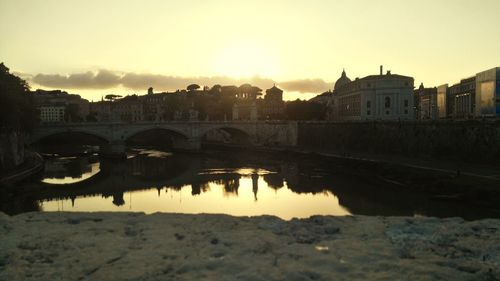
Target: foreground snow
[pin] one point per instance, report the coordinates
(118, 246)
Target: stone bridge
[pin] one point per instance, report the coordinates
(185, 135)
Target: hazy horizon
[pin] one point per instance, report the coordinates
(94, 48)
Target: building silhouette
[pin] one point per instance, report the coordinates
(375, 97)
(426, 103)
(476, 96)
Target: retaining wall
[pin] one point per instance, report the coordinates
(468, 140)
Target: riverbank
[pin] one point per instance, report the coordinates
(133, 246)
(449, 167)
(441, 180)
(32, 165)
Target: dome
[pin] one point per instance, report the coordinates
(343, 80)
(274, 90)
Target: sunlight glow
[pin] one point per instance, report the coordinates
(242, 59)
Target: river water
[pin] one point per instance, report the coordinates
(228, 182)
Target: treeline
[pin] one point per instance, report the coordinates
(305, 110)
(17, 109)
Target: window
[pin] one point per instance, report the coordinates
(387, 112)
(368, 112)
(406, 111)
(368, 104)
(387, 102)
(406, 103)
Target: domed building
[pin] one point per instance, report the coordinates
(342, 81)
(375, 97)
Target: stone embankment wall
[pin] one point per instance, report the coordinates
(11, 150)
(467, 140)
(132, 246)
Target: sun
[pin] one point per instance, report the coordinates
(241, 60)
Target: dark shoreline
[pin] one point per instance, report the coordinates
(33, 165)
(440, 184)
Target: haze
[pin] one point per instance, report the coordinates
(300, 45)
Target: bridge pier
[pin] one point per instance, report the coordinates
(113, 150)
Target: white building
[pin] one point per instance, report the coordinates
(488, 93)
(375, 97)
(52, 113)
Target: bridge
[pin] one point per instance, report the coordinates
(185, 135)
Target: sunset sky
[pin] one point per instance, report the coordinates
(96, 47)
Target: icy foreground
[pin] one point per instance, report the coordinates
(131, 246)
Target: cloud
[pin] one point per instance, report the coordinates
(106, 79)
(103, 79)
(164, 82)
(22, 75)
(306, 86)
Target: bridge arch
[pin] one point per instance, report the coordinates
(226, 134)
(43, 135)
(173, 130)
(154, 134)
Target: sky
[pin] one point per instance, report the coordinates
(98, 47)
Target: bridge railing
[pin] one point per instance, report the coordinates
(66, 124)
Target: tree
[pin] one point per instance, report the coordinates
(111, 97)
(133, 97)
(193, 87)
(215, 90)
(305, 110)
(226, 102)
(229, 91)
(250, 91)
(17, 108)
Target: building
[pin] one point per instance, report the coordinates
(487, 93)
(245, 106)
(167, 105)
(101, 111)
(154, 105)
(375, 97)
(272, 106)
(462, 99)
(76, 109)
(323, 98)
(52, 113)
(128, 109)
(477, 96)
(426, 103)
(445, 102)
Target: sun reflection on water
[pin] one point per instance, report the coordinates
(253, 197)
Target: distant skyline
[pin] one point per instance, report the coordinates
(123, 47)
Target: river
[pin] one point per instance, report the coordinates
(219, 181)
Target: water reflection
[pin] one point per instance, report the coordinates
(157, 181)
(215, 199)
(67, 170)
(154, 181)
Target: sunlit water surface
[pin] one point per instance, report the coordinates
(218, 182)
(239, 191)
(214, 199)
